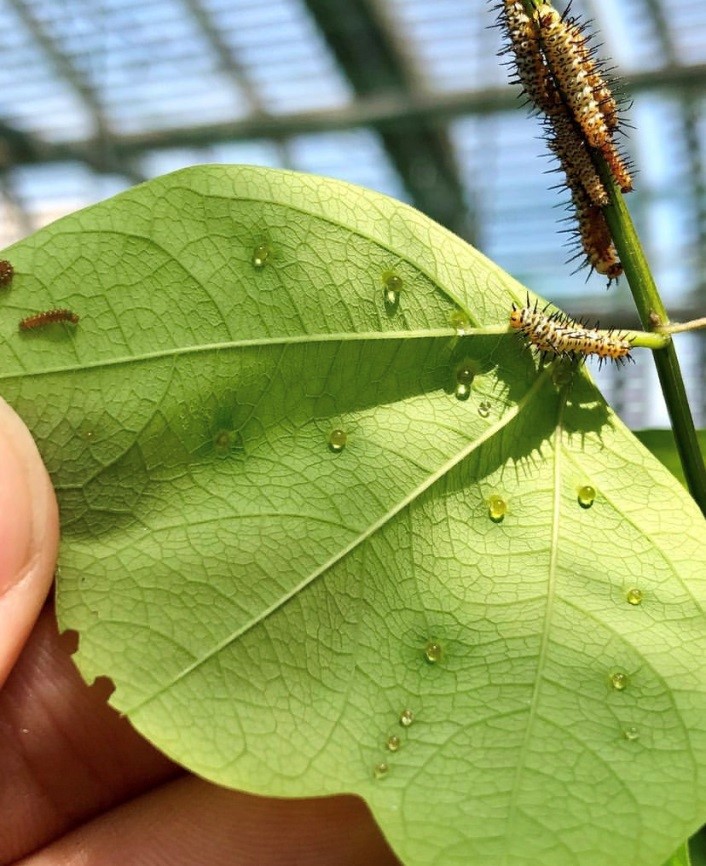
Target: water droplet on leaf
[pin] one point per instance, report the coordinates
(462, 391)
(406, 718)
(260, 255)
(497, 508)
(634, 596)
(393, 284)
(619, 681)
(484, 409)
(586, 496)
(381, 770)
(432, 651)
(631, 733)
(393, 742)
(337, 440)
(465, 374)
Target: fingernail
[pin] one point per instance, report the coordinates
(17, 529)
(28, 535)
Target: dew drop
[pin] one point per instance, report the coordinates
(393, 284)
(634, 596)
(432, 652)
(497, 508)
(484, 409)
(392, 300)
(586, 496)
(381, 770)
(406, 718)
(631, 733)
(393, 743)
(619, 680)
(260, 255)
(462, 391)
(465, 374)
(460, 322)
(337, 440)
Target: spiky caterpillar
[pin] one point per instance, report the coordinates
(556, 334)
(575, 159)
(560, 75)
(583, 87)
(532, 72)
(595, 236)
(575, 72)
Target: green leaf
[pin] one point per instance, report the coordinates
(269, 609)
(681, 857)
(661, 443)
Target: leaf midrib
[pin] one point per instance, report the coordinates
(231, 345)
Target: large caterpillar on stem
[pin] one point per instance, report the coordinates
(561, 76)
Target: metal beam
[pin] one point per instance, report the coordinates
(229, 64)
(101, 154)
(61, 63)
(222, 51)
(657, 11)
(383, 111)
(375, 64)
(379, 111)
(22, 148)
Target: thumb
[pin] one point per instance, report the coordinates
(29, 535)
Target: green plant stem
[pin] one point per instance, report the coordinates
(646, 339)
(652, 311)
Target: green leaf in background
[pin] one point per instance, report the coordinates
(322, 543)
(661, 444)
(697, 848)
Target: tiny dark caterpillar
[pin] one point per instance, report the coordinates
(557, 335)
(38, 320)
(7, 272)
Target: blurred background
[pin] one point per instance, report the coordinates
(406, 97)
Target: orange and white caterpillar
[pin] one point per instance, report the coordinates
(555, 334)
(48, 317)
(532, 72)
(556, 64)
(577, 74)
(595, 237)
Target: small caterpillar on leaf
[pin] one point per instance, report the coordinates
(6, 272)
(38, 320)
